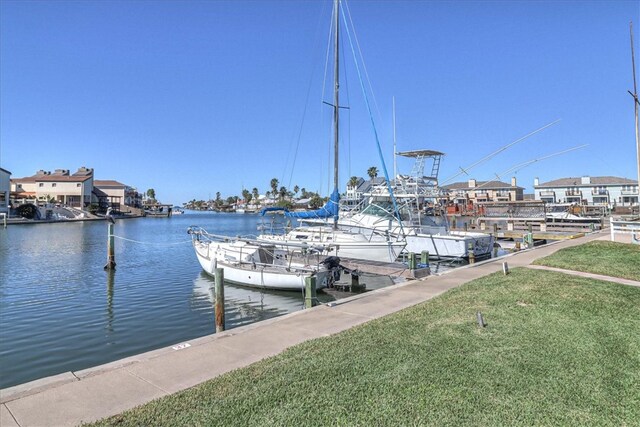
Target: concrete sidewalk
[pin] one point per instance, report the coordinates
(83, 396)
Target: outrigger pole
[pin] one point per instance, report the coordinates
(635, 105)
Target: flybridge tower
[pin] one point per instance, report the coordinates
(428, 184)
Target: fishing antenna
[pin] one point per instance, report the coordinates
(500, 150)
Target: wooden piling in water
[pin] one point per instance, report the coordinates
(111, 256)
(310, 291)
(219, 305)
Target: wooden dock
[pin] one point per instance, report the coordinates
(396, 269)
(538, 235)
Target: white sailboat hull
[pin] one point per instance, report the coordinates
(244, 271)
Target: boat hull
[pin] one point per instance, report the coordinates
(244, 273)
(452, 245)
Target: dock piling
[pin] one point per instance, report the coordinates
(219, 304)
(472, 255)
(412, 261)
(111, 256)
(424, 258)
(310, 291)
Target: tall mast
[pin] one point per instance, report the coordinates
(336, 104)
(635, 104)
(395, 163)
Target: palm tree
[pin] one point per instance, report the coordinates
(256, 195)
(353, 182)
(246, 195)
(372, 172)
(274, 186)
(283, 192)
(296, 189)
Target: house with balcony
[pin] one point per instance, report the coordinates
(5, 190)
(597, 190)
(59, 186)
(473, 191)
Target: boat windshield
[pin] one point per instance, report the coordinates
(385, 210)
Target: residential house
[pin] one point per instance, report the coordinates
(597, 190)
(354, 195)
(473, 191)
(116, 195)
(58, 187)
(5, 190)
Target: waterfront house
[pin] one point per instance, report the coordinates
(114, 194)
(473, 191)
(355, 194)
(5, 190)
(58, 187)
(597, 190)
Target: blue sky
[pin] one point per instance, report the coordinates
(195, 97)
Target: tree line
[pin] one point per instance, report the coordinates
(282, 195)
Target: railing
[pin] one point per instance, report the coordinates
(600, 192)
(573, 193)
(629, 192)
(547, 194)
(625, 227)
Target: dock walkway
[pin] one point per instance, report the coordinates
(75, 397)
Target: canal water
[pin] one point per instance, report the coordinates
(60, 311)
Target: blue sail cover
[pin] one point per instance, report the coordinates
(330, 209)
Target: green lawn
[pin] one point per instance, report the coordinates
(558, 350)
(599, 257)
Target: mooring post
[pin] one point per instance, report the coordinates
(111, 256)
(412, 261)
(219, 305)
(472, 255)
(466, 226)
(495, 228)
(310, 291)
(505, 268)
(453, 222)
(517, 246)
(424, 258)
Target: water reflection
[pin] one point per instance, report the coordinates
(245, 305)
(111, 275)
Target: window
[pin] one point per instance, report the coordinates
(78, 185)
(53, 184)
(41, 185)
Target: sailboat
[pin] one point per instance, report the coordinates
(252, 263)
(337, 242)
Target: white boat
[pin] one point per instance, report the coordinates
(250, 263)
(339, 242)
(376, 215)
(421, 233)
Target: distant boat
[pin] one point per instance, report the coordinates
(177, 210)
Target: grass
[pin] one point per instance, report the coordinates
(599, 257)
(558, 350)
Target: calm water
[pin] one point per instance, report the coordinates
(60, 311)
